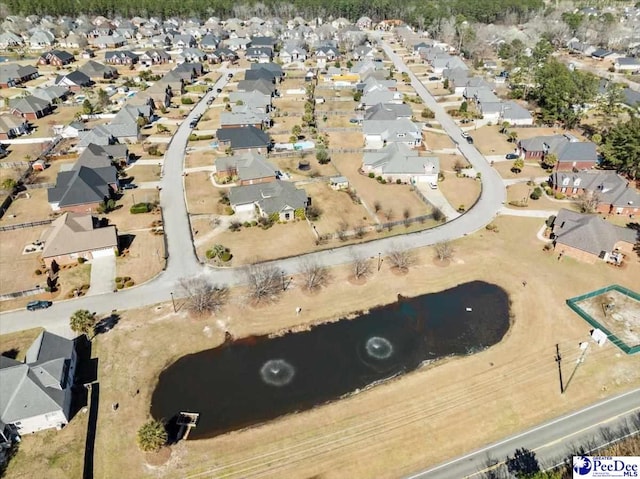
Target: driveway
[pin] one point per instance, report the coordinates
(103, 273)
(437, 199)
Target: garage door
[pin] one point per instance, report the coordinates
(101, 253)
(248, 208)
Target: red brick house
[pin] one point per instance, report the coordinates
(616, 195)
(56, 58)
(30, 107)
(572, 155)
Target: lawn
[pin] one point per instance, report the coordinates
(122, 217)
(63, 115)
(362, 435)
(290, 165)
(489, 141)
(437, 141)
(198, 158)
(460, 191)
(532, 169)
(17, 268)
(144, 259)
(15, 345)
(202, 196)
(142, 173)
(337, 208)
(25, 209)
(522, 190)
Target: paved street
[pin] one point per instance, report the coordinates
(182, 261)
(551, 441)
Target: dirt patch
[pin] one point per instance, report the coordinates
(159, 458)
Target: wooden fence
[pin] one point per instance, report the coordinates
(20, 294)
(30, 224)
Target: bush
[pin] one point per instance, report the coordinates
(560, 196)
(185, 100)
(118, 279)
(81, 260)
(38, 272)
(128, 284)
(372, 175)
(140, 208)
(119, 285)
(225, 256)
(398, 181)
(536, 194)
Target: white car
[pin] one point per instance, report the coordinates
(433, 186)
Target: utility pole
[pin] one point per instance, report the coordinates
(379, 261)
(558, 359)
(585, 348)
(173, 301)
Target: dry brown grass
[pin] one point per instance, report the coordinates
(202, 196)
(145, 258)
(199, 158)
(436, 141)
(531, 169)
(460, 191)
(390, 428)
(337, 207)
(489, 141)
(61, 116)
(122, 217)
(290, 164)
(522, 190)
(34, 208)
(18, 342)
(141, 173)
(17, 268)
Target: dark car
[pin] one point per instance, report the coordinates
(193, 123)
(129, 186)
(467, 137)
(219, 90)
(33, 305)
(230, 75)
(512, 156)
(433, 78)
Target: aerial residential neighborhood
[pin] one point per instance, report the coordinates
(340, 241)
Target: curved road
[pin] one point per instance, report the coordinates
(552, 441)
(182, 261)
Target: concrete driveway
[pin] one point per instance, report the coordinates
(103, 273)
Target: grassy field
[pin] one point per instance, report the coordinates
(460, 191)
(394, 428)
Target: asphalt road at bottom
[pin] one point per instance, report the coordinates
(551, 441)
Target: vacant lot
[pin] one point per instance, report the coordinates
(392, 197)
(337, 207)
(460, 191)
(144, 258)
(509, 387)
(202, 196)
(489, 141)
(346, 139)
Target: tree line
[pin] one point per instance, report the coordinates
(411, 11)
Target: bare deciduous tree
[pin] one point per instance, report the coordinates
(359, 231)
(377, 206)
(343, 227)
(401, 258)
(314, 275)
(444, 250)
(263, 281)
(203, 297)
(438, 215)
(361, 266)
(588, 201)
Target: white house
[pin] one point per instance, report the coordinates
(378, 133)
(627, 64)
(36, 395)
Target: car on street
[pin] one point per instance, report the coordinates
(433, 78)
(210, 101)
(230, 75)
(512, 156)
(34, 305)
(467, 137)
(353, 120)
(433, 186)
(219, 90)
(129, 186)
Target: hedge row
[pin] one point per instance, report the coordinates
(140, 208)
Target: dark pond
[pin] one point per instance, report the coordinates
(258, 379)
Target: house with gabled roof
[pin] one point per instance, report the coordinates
(627, 64)
(259, 54)
(98, 71)
(235, 44)
(56, 58)
(571, 153)
(324, 54)
(378, 134)
(253, 100)
(292, 53)
(243, 138)
(120, 57)
(82, 189)
(77, 235)
(397, 161)
(40, 39)
(273, 198)
(388, 112)
(191, 55)
(209, 42)
(30, 107)
(99, 135)
(222, 55)
(154, 56)
(13, 74)
(74, 81)
(52, 94)
(616, 195)
(108, 41)
(247, 168)
(36, 394)
(10, 39)
(262, 86)
(239, 118)
(12, 126)
(590, 238)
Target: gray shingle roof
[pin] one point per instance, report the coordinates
(589, 233)
(612, 188)
(249, 166)
(272, 197)
(82, 185)
(29, 104)
(388, 111)
(397, 158)
(244, 137)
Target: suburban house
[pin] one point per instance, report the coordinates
(36, 394)
(388, 112)
(13, 74)
(276, 197)
(243, 138)
(380, 95)
(12, 126)
(222, 55)
(82, 189)
(378, 134)
(72, 130)
(30, 107)
(77, 235)
(52, 94)
(616, 195)
(339, 183)
(57, 58)
(109, 41)
(98, 156)
(155, 56)
(259, 54)
(292, 53)
(262, 86)
(590, 238)
(124, 127)
(253, 100)
(209, 42)
(120, 57)
(515, 115)
(99, 135)
(627, 64)
(74, 81)
(245, 169)
(326, 54)
(397, 161)
(98, 71)
(571, 153)
(231, 119)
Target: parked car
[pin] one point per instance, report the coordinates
(219, 90)
(193, 123)
(129, 186)
(433, 186)
(433, 78)
(467, 137)
(230, 75)
(210, 101)
(512, 156)
(353, 120)
(34, 305)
